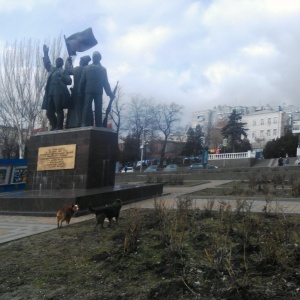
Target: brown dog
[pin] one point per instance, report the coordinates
(109, 212)
(65, 214)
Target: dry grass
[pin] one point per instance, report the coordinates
(160, 254)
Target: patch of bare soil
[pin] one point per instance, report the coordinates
(159, 254)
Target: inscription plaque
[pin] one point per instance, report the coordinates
(56, 158)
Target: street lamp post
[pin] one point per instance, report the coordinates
(143, 145)
(142, 153)
(224, 146)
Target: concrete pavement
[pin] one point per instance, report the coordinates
(16, 227)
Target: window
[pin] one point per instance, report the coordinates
(268, 132)
(269, 121)
(274, 132)
(261, 134)
(275, 120)
(296, 127)
(253, 134)
(254, 122)
(262, 122)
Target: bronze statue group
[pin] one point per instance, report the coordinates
(89, 80)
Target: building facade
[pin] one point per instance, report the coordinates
(264, 126)
(264, 123)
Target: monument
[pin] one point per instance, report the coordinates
(73, 165)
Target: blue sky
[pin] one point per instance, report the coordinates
(199, 54)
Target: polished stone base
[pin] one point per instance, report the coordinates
(48, 202)
(95, 159)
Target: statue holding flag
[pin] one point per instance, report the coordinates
(89, 86)
(75, 110)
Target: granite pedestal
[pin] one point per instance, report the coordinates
(95, 160)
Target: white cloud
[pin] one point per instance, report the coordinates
(139, 40)
(279, 7)
(218, 72)
(185, 77)
(8, 6)
(192, 11)
(259, 49)
(124, 69)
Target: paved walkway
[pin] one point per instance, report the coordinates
(16, 227)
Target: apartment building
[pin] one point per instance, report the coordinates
(210, 118)
(264, 126)
(264, 123)
(204, 118)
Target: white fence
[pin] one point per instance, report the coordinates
(239, 155)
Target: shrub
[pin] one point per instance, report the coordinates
(295, 188)
(133, 227)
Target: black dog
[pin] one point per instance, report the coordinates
(109, 212)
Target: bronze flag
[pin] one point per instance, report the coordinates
(80, 41)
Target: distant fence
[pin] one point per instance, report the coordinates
(239, 155)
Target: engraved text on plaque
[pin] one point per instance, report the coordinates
(56, 158)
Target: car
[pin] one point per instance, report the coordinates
(138, 164)
(171, 168)
(196, 166)
(152, 168)
(129, 170)
(208, 166)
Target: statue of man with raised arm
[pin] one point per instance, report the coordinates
(57, 96)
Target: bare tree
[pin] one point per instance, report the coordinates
(22, 82)
(180, 134)
(215, 138)
(139, 123)
(8, 142)
(140, 118)
(167, 117)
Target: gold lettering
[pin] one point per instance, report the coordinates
(56, 158)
